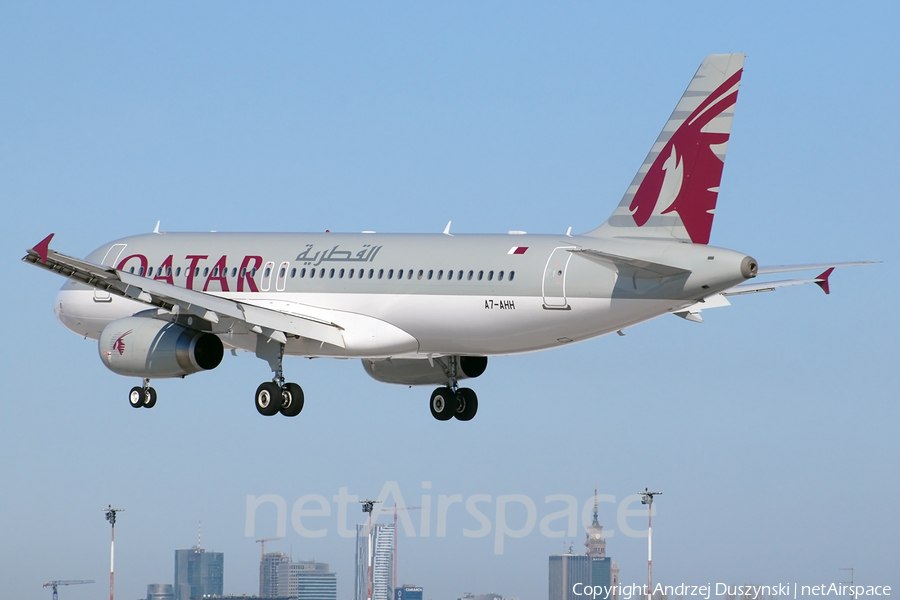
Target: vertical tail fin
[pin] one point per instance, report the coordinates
(673, 195)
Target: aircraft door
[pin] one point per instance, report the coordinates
(110, 260)
(554, 285)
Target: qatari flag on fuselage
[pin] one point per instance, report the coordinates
(518, 250)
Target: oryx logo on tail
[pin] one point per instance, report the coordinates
(685, 176)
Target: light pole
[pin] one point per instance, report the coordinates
(367, 507)
(852, 589)
(110, 513)
(647, 498)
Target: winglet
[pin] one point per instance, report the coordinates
(822, 280)
(43, 247)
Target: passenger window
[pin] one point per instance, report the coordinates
(471, 273)
(233, 271)
(490, 275)
(390, 273)
(178, 272)
(322, 273)
(252, 272)
(312, 273)
(371, 273)
(131, 269)
(380, 273)
(450, 275)
(141, 272)
(420, 274)
(303, 272)
(293, 272)
(512, 275)
(500, 276)
(206, 271)
(361, 273)
(350, 275)
(341, 274)
(430, 273)
(150, 272)
(331, 274)
(440, 274)
(460, 275)
(409, 274)
(243, 271)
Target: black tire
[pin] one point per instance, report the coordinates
(136, 397)
(268, 399)
(149, 398)
(467, 404)
(443, 404)
(292, 402)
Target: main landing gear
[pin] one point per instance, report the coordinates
(144, 396)
(277, 396)
(453, 401)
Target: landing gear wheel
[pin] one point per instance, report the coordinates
(467, 404)
(268, 399)
(443, 404)
(136, 397)
(149, 398)
(292, 400)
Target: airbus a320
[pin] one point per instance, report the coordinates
(423, 309)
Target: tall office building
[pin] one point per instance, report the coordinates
(268, 573)
(307, 580)
(198, 573)
(408, 592)
(382, 563)
(590, 569)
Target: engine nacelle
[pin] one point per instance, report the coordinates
(418, 371)
(145, 347)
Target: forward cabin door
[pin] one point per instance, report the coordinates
(110, 260)
(554, 287)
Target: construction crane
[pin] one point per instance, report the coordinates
(397, 509)
(262, 546)
(58, 582)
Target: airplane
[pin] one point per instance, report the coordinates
(423, 309)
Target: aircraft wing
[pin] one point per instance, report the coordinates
(692, 313)
(273, 324)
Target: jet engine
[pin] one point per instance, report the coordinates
(151, 348)
(418, 371)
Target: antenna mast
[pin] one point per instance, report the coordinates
(647, 498)
(110, 513)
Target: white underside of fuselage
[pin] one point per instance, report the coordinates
(407, 325)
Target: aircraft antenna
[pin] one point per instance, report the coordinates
(110, 513)
(647, 498)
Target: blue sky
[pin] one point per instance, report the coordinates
(771, 428)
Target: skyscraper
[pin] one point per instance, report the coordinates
(307, 580)
(268, 573)
(198, 573)
(590, 569)
(382, 562)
